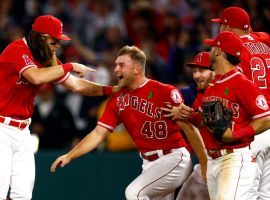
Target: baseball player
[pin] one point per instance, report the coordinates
(166, 161)
(195, 188)
(255, 64)
(230, 170)
(25, 65)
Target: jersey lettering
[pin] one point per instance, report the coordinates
(226, 103)
(139, 104)
(257, 48)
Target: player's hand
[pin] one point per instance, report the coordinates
(60, 161)
(81, 70)
(181, 112)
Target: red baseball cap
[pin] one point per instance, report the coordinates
(201, 60)
(234, 17)
(228, 42)
(50, 25)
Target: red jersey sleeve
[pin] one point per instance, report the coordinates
(263, 37)
(109, 118)
(175, 97)
(19, 58)
(253, 100)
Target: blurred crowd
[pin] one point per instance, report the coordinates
(170, 32)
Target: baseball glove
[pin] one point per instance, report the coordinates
(217, 118)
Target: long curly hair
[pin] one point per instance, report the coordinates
(39, 48)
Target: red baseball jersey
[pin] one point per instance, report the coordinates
(241, 96)
(17, 94)
(255, 60)
(196, 120)
(140, 111)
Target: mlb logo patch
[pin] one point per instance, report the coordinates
(261, 102)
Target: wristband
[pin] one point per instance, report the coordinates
(67, 67)
(107, 90)
(247, 131)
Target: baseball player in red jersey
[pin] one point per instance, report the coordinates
(230, 170)
(25, 65)
(166, 162)
(195, 188)
(255, 64)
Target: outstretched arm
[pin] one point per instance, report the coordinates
(43, 75)
(90, 142)
(88, 88)
(196, 142)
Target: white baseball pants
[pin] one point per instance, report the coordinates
(260, 148)
(194, 188)
(231, 176)
(17, 165)
(161, 177)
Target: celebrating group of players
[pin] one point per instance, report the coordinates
(234, 72)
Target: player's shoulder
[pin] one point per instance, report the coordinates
(243, 81)
(159, 85)
(190, 89)
(262, 36)
(256, 37)
(15, 47)
(189, 93)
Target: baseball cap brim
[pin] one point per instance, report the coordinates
(62, 37)
(209, 42)
(194, 65)
(216, 20)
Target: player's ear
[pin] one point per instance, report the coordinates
(218, 51)
(227, 28)
(138, 68)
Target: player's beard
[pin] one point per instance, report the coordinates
(125, 82)
(201, 85)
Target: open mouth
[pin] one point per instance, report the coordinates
(120, 77)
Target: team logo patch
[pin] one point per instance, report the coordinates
(261, 102)
(27, 60)
(176, 97)
(121, 101)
